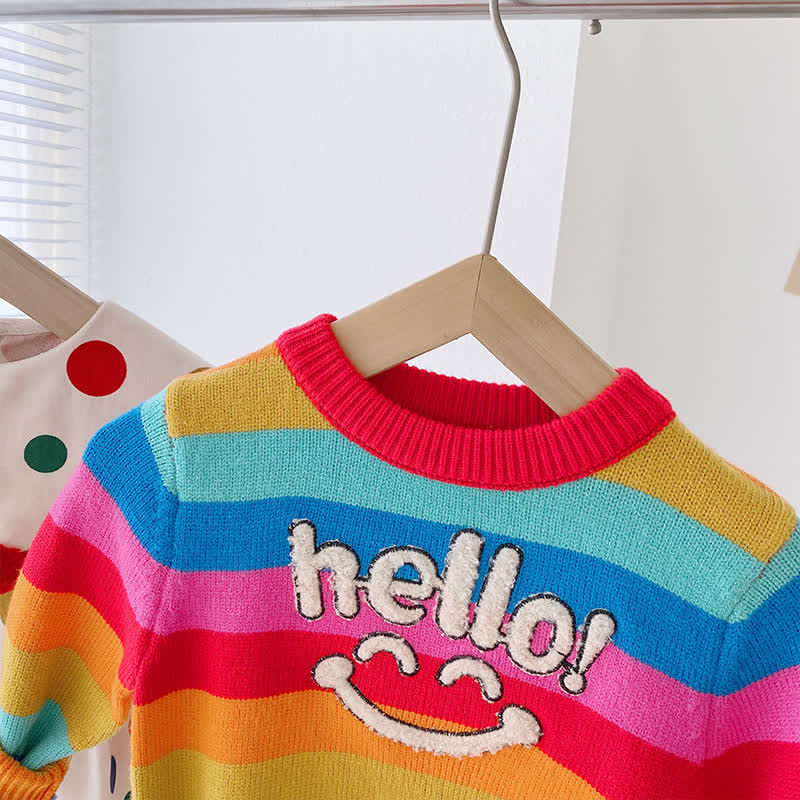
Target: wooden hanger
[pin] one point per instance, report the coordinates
(41, 293)
(793, 284)
(480, 296)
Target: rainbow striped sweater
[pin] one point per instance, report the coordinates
(302, 584)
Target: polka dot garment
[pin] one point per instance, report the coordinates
(54, 395)
(96, 368)
(45, 453)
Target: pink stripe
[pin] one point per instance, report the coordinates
(104, 526)
(627, 692)
(768, 710)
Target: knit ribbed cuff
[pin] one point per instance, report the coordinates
(20, 783)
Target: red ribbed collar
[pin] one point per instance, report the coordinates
(464, 431)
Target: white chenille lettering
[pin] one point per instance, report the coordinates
(598, 630)
(399, 601)
(383, 588)
(527, 617)
(490, 611)
(458, 583)
(308, 562)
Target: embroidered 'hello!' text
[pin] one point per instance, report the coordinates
(398, 600)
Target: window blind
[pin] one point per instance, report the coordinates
(44, 137)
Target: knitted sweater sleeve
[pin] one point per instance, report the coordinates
(753, 741)
(81, 618)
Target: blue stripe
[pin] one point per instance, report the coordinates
(768, 641)
(602, 519)
(120, 457)
(599, 518)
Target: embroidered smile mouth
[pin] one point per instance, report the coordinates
(516, 725)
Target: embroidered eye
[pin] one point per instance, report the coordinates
(403, 653)
(516, 725)
(467, 666)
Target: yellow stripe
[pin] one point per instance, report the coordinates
(260, 393)
(31, 679)
(338, 776)
(677, 468)
(191, 735)
(5, 599)
(42, 621)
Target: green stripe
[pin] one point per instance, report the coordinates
(606, 520)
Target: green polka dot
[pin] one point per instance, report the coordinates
(45, 453)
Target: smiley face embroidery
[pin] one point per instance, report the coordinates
(516, 725)
(484, 623)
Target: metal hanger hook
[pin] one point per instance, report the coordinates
(511, 121)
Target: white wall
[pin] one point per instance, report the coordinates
(252, 175)
(681, 221)
(593, 222)
(249, 176)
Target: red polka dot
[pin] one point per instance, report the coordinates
(96, 368)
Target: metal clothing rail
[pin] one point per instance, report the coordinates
(131, 10)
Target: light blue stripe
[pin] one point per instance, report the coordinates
(783, 568)
(598, 518)
(38, 739)
(155, 429)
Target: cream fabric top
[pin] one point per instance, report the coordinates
(54, 395)
(55, 400)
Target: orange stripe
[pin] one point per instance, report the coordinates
(193, 720)
(19, 783)
(55, 619)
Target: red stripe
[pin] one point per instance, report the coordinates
(618, 764)
(10, 564)
(755, 771)
(61, 562)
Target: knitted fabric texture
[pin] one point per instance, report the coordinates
(307, 585)
(54, 395)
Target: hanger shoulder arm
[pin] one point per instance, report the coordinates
(41, 293)
(421, 317)
(793, 284)
(534, 343)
